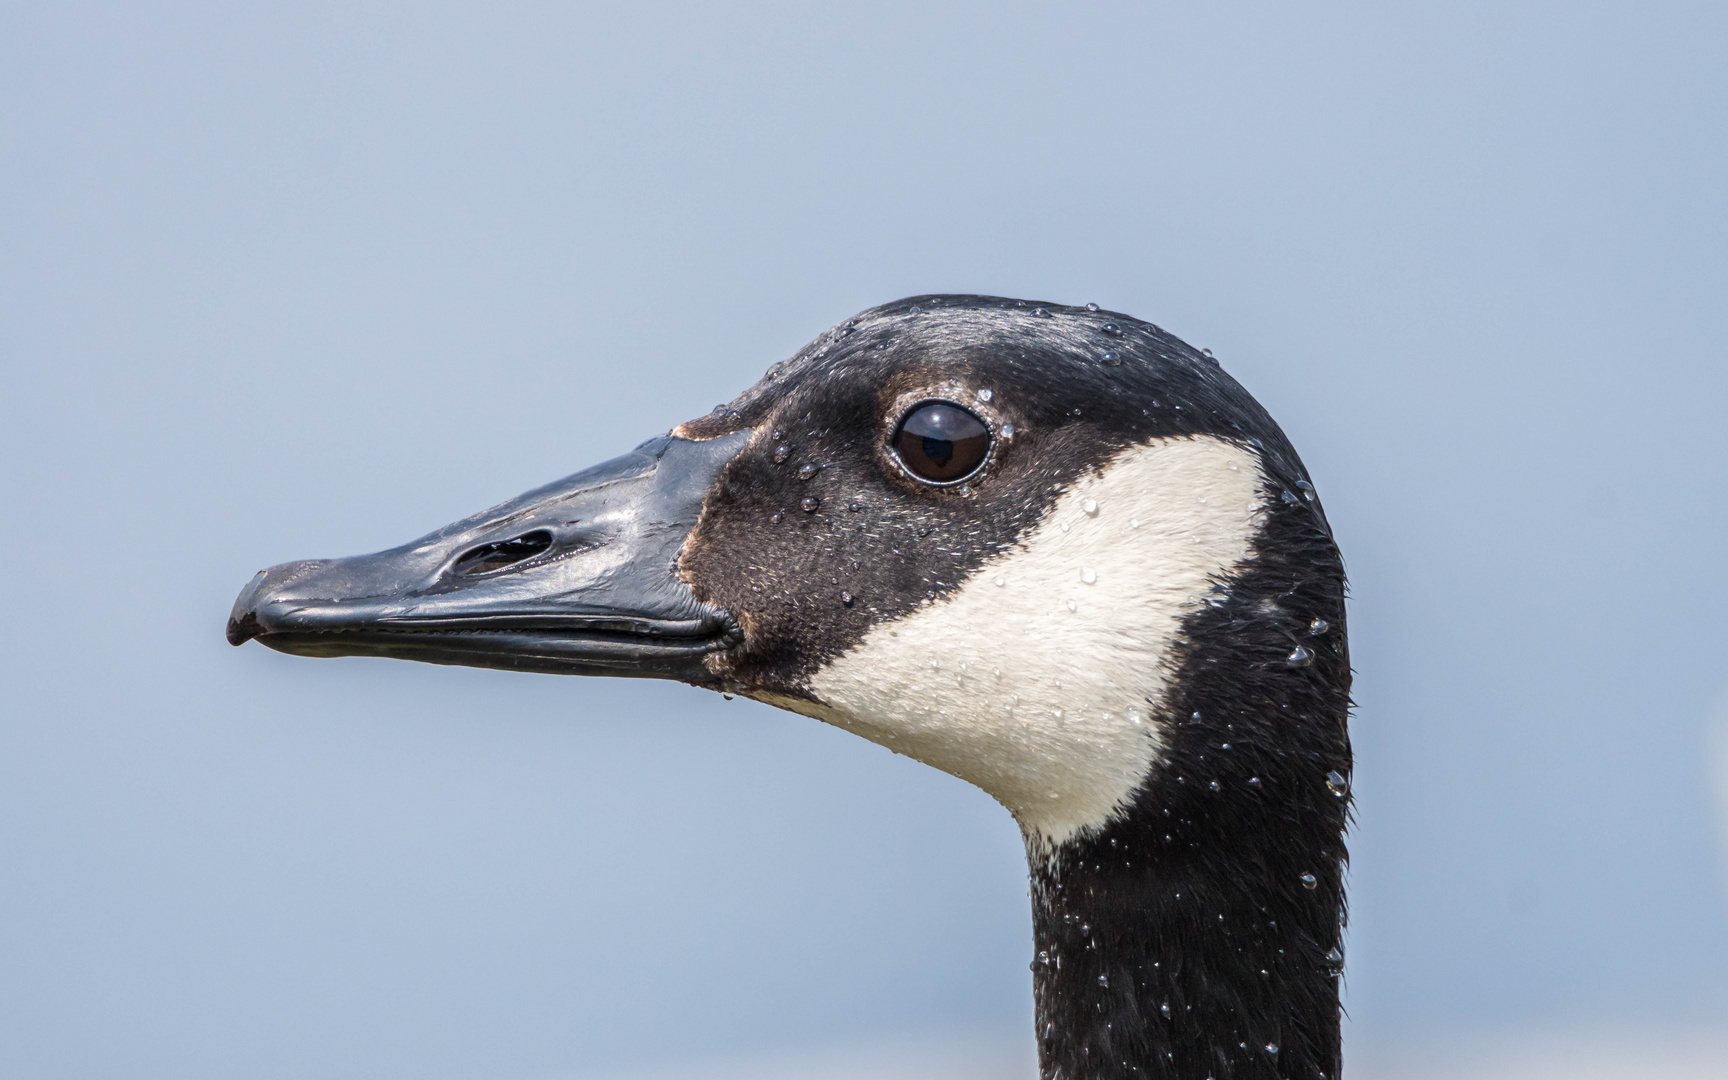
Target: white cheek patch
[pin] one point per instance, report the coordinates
(1041, 678)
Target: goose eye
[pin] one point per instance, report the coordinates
(941, 443)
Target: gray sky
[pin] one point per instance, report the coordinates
(313, 279)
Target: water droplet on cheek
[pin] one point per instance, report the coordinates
(986, 394)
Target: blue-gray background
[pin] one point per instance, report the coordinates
(313, 279)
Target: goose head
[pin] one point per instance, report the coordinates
(1053, 551)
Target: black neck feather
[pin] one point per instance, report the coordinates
(1199, 935)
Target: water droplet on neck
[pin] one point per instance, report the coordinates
(1318, 627)
(1091, 307)
(1299, 657)
(1337, 784)
(1309, 881)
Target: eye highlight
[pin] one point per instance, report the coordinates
(941, 443)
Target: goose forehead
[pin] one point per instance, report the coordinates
(1042, 677)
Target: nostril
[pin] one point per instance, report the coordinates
(501, 553)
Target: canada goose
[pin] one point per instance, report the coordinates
(1053, 551)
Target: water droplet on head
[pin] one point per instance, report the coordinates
(1318, 627)
(1336, 956)
(1165, 1009)
(726, 695)
(1271, 1048)
(810, 504)
(1000, 581)
(1103, 980)
(1309, 881)
(781, 453)
(807, 471)
(846, 599)
(1056, 712)
(1072, 606)
(1134, 716)
(1216, 786)
(1110, 357)
(1337, 784)
(1090, 577)
(1253, 781)
(1090, 507)
(774, 517)
(1111, 328)
(986, 394)
(1133, 523)
(1299, 657)
(914, 309)
(1007, 431)
(1091, 307)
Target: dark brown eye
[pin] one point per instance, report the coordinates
(942, 443)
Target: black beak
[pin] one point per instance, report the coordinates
(578, 577)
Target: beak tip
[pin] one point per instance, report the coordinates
(243, 628)
(243, 619)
